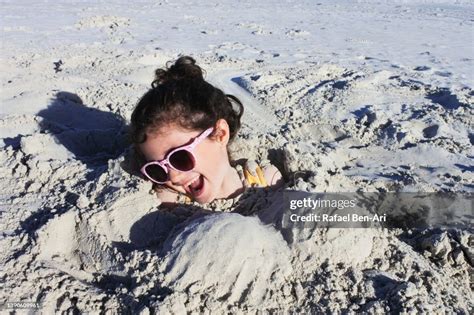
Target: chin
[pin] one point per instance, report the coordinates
(207, 196)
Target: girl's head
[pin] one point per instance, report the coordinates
(179, 108)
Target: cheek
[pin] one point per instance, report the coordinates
(213, 160)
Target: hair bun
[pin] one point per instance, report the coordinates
(184, 68)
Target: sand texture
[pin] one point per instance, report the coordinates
(372, 98)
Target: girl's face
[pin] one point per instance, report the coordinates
(206, 181)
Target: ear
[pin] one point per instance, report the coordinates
(222, 134)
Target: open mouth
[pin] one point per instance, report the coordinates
(196, 187)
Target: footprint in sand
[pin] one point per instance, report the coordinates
(445, 74)
(445, 98)
(431, 131)
(422, 68)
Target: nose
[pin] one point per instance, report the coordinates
(175, 177)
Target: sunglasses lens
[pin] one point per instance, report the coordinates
(156, 172)
(182, 160)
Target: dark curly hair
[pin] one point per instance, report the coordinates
(179, 94)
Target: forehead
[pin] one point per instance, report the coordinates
(161, 141)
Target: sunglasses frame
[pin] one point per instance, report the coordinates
(165, 163)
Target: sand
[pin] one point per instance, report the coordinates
(81, 232)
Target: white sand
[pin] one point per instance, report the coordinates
(370, 97)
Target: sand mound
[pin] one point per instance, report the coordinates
(379, 104)
(242, 269)
(103, 232)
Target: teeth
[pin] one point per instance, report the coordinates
(189, 184)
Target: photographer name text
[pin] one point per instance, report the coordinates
(338, 218)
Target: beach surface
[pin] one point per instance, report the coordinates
(341, 96)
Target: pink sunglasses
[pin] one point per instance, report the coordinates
(180, 159)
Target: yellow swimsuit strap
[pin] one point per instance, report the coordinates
(255, 180)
